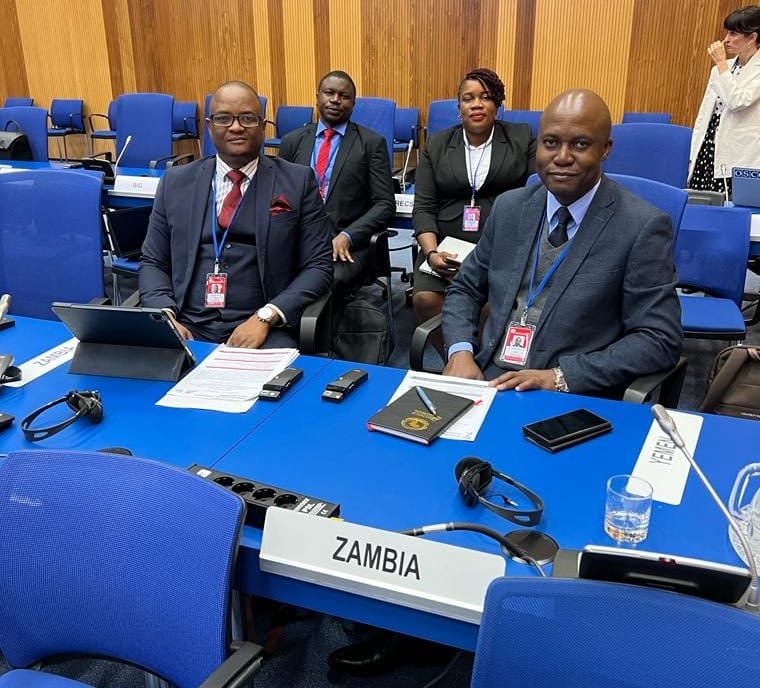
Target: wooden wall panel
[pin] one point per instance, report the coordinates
(565, 57)
(638, 54)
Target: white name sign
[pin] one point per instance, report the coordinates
(404, 204)
(45, 362)
(662, 464)
(127, 185)
(409, 571)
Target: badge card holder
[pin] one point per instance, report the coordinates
(138, 343)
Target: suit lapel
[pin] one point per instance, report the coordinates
(455, 158)
(306, 145)
(498, 155)
(349, 140)
(201, 196)
(599, 214)
(265, 178)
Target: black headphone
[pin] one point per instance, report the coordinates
(10, 374)
(87, 404)
(474, 475)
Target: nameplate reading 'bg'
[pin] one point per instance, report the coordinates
(135, 186)
(409, 571)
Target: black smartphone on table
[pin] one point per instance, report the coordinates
(566, 430)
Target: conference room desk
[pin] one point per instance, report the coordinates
(325, 450)
(130, 417)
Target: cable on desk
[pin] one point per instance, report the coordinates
(477, 528)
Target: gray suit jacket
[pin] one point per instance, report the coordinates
(294, 252)
(612, 313)
(360, 197)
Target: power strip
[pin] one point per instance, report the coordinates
(259, 497)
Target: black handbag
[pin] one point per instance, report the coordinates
(733, 387)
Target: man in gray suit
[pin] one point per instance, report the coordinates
(353, 173)
(238, 244)
(578, 273)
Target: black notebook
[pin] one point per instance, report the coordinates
(409, 417)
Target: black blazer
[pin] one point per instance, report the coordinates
(441, 186)
(360, 197)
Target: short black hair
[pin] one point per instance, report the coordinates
(340, 75)
(489, 80)
(745, 20)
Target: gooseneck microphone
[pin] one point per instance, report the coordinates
(477, 528)
(127, 141)
(668, 426)
(406, 165)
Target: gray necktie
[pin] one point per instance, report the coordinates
(558, 235)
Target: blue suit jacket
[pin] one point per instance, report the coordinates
(293, 248)
(612, 313)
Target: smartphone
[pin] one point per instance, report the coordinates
(566, 430)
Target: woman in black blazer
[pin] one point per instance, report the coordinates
(465, 166)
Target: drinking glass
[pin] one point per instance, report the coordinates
(628, 508)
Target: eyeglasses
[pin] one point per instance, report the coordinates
(247, 120)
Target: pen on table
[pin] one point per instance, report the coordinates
(426, 400)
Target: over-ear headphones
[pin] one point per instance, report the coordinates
(10, 374)
(84, 404)
(474, 475)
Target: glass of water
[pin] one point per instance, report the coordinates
(628, 508)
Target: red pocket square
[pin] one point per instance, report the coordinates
(279, 205)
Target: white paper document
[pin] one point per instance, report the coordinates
(465, 428)
(450, 245)
(662, 464)
(228, 380)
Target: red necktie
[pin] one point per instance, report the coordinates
(232, 199)
(323, 156)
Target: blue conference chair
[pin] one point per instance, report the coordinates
(107, 134)
(442, 114)
(711, 257)
(33, 122)
(147, 118)
(51, 239)
(653, 151)
(406, 128)
(289, 118)
(66, 118)
(638, 117)
(377, 114)
(532, 117)
(185, 123)
(18, 102)
(551, 632)
(118, 557)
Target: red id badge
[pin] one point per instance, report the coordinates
(471, 218)
(216, 290)
(517, 343)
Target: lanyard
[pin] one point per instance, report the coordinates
(533, 294)
(219, 245)
(474, 177)
(322, 183)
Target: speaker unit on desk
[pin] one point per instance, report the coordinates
(259, 497)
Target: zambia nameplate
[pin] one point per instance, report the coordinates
(409, 571)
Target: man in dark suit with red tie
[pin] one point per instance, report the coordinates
(353, 171)
(238, 244)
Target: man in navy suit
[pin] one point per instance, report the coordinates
(354, 179)
(238, 245)
(579, 268)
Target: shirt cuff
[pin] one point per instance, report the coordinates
(283, 321)
(460, 346)
(348, 236)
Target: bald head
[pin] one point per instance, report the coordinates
(235, 144)
(573, 140)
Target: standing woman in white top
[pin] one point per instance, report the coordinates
(727, 130)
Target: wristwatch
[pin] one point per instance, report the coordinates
(559, 380)
(266, 314)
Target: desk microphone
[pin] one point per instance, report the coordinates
(406, 165)
(127, 141)
(668, 426)
(5, 304)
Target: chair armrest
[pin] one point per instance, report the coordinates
(236, 671)
(669, 383)
(132, 301)
(95, 114)
(315, 331)
(419, 342)
(379, 256)
(172, 160)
